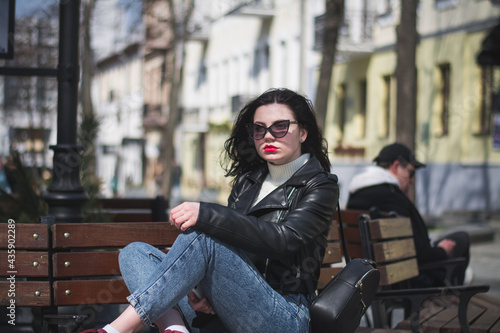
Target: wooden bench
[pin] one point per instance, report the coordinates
(133, 209)
(76, 264)
(71, 264)
(389, 242)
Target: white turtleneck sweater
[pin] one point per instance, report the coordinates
(278, 174)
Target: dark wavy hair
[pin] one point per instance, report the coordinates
(240, 153)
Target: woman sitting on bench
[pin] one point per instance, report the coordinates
(256, 259)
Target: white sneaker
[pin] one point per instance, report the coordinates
(469, 276)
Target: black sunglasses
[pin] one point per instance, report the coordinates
(279, 129)
(412, 173)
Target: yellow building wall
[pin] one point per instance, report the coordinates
(461, 145)
(477, 148)
(359, 133)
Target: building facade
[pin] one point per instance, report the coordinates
(239, 49)
(245, 49)
(28, 104)
(275, 44)
(118, 104)
(457, 105)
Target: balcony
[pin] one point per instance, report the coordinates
(259, 8)
(355, 34)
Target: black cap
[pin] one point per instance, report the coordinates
(397, 151)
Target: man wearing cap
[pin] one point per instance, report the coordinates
(385, 187)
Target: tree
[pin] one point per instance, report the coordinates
(177, 25)
(333, 20)
(406, 74)
(89, 127)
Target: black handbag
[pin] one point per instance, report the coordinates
(343, 302)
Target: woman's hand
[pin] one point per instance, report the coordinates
(201, 305)
(185, 215)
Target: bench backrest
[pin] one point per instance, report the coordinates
(350, 218)
(389, 242)
(85, 258)
(332, 262)
(24, 254)
(134, 209)
(334, 258)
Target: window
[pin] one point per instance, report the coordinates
(384, 12)
(362, 109)
(444, 97)
(342, 98)
(111, 95)
(266, 54)
(445, 4)
(490, 97)
(385, 115)
(384, 7)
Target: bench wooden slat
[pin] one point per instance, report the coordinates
(350, 216)
(488, 319)
(390, 228)
(398, 271)
(27, 264)
(101, 235)
(125, 203)
(473, 313)
(394, 250)
(81, 264)
(106, 291)
(429, 309)
(333, 253)
(495, 328)
(351, 230)
(355, 250)
(27, 293)
(135, 216)
(27, 236)
(78, 264)
(440, 314)
(333, 234)
(352, 234)
(326, 274)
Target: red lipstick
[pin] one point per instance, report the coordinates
(270, 148)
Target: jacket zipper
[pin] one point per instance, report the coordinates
(277, 221)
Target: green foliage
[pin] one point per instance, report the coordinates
(87, 136)
(27, 205)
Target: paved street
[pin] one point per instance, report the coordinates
(485, 262)
(485, 253)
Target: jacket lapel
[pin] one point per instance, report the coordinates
(277, 199)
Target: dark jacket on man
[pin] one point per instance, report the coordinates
(389, 198)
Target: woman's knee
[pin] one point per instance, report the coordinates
(129, 251)
(139, 253)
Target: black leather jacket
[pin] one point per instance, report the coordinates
(284, 234)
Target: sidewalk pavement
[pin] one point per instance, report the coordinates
(485, 252)
(485, 261)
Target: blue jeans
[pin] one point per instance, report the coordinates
(242, 299)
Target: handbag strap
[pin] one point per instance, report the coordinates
(344, 244)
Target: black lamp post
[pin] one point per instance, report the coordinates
(66, 196)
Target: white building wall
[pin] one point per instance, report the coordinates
(119, 143)
(243, 55)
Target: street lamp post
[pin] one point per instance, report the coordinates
(65, 195)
